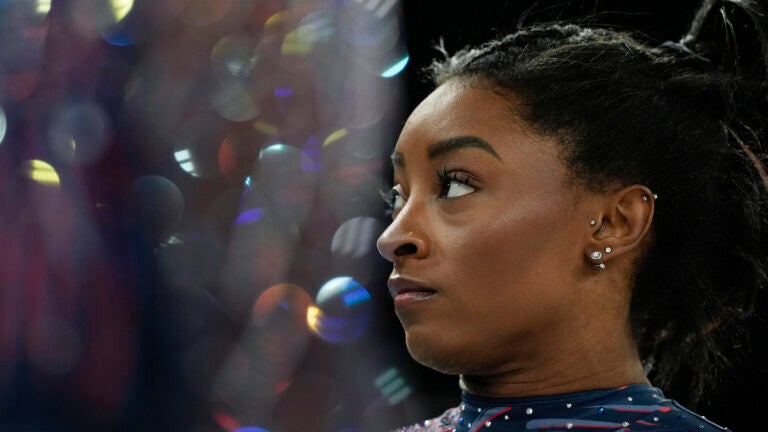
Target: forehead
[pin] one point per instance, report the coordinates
(460, 104)
(472, 108)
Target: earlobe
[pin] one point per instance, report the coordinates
(624, 224)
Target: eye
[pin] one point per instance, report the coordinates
(397, 198)
(394, 198)
(454, 184)
(456, 189)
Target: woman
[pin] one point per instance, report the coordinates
(574, 211)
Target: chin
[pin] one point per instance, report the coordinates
(430, 352)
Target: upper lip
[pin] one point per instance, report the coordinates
(398, 285)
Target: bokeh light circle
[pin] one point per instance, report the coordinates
(157, 204)
(40, 172)
(78, 133)
(282, 183)
(396, 67)
(318, 26)
(342, 312)
(259, 255)
(232, 99)
(282, 301)
(225, 420)
(233, 63)
(3, 125)
(198, 144)
(273, 151)
(356, 238)
(92, 18)
(24, 29)
(234, 56)
(236, 154)
(363, 28)
(352, 96)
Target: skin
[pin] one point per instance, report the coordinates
(519, 310)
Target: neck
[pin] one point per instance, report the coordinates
(588, 357)
(530, 383)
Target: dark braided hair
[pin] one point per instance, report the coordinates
(688, 120)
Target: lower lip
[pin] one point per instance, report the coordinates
(412, 297)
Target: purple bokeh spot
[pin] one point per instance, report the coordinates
(283, 92)
(249, 216)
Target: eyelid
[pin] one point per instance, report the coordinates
(447, 176)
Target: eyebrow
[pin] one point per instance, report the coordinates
(443, 147)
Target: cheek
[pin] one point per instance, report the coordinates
(513, 241)
(520, 260)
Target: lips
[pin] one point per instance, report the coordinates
(408, 291)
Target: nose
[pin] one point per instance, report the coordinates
(403, 238)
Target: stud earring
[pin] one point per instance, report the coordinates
(596, 256)
(608, 249)
(655, 197)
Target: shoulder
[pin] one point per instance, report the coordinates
(648, 409)
(673, 417)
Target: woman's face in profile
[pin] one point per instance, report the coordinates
(487, 234)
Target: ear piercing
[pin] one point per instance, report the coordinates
(597, 256)
(645, 197)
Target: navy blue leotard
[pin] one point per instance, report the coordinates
(632, 408)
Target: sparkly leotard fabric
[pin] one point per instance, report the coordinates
(632, 408)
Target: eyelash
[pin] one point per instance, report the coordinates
(444, 177)
(388, 195)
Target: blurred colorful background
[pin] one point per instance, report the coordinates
(189, 202)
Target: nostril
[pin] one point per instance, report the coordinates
(406, 249)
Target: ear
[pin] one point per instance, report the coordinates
(623, 223)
